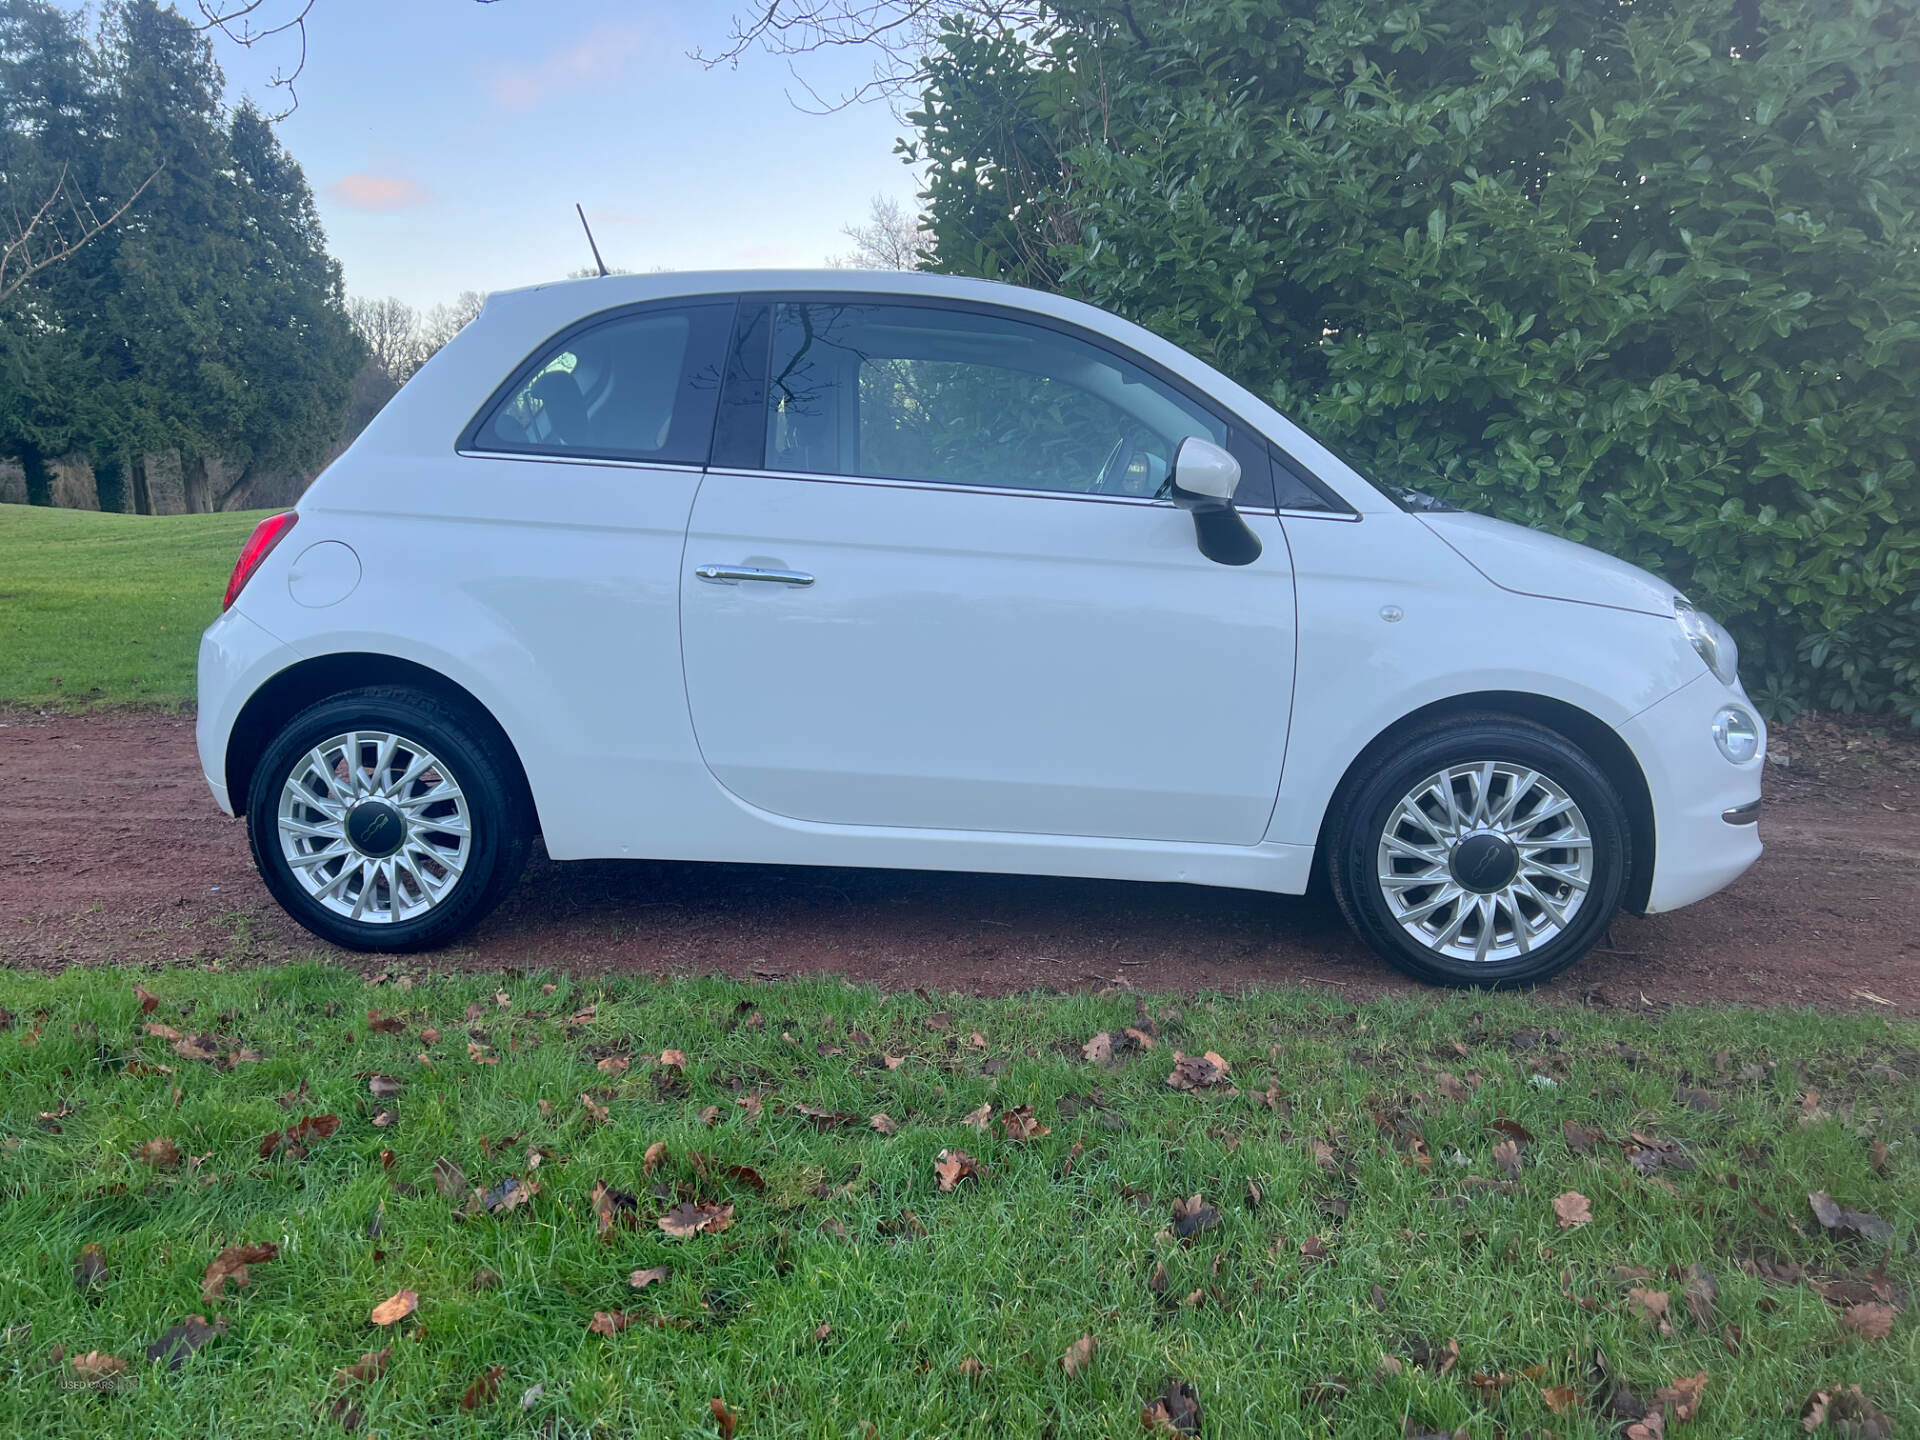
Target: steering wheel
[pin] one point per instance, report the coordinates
(1118, 460)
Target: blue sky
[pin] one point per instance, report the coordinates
(447, 141)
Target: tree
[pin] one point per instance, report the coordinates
(443, 322)
(390, 329)
(890, 240)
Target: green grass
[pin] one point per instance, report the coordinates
(107, 609)
(1008, 1269)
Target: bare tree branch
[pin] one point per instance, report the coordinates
(899, 32)
(61, 230)
(248, 22)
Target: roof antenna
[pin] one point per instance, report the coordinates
(589, 229)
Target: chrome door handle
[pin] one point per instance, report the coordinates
(727, 574)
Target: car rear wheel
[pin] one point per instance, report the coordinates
(1486, 851)
(387, 819)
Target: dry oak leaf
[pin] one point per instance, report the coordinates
(613, 1207)
(656, 1152)
(449, 1179)
(1561, 1399)
(1019, 1124)
(609, 1322)
(1572, 1209)
(1650, 1306)
(1079, 1355)
(1197, 1072)
(295, 1138)
(477, 1053)
(384, 1087)
(673, 1059)
(89, 1267)
(1682, 1396)
(370, 1366)
(96, 1365)
(596, 1114)
(978, 1119)
(1870, 1321)
(612, 1065)
(1835, 1217)
(1506, 1158)
(1174, 1411)
(1193, 1215)
(231, 1264)
(395, 1308)
(384, 1024)
(149, 1002)
(971, 1368)
(685, 1221)
(486, 1388)
(1849, 1412)
(159, 1152)
(953, 1166)
(1099, 1050)
(723, 1417)
(884, 1123)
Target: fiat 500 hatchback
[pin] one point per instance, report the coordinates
(910, 571)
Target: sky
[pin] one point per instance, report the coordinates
(447, 141)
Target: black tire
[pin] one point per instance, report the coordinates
(475, 756)
(1365, 807)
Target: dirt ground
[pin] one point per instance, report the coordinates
(112, 850)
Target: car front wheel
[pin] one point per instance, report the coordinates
(1487, 851)
(387, 819)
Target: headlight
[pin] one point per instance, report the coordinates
(1736, 734)
(1709, 639)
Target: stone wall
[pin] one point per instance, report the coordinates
(13, 483)
(73, 487)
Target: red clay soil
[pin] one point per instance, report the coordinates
(111, 850)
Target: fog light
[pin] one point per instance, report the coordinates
(1735, 732)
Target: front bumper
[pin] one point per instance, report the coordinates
(236, 657)
(1705, 809)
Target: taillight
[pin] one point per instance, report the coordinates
(267, 534)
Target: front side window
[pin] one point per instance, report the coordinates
(912, 392)
(642, 386)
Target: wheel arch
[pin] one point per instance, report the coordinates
(1580, 727)
(308, 682)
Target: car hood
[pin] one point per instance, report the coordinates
(1529, 562)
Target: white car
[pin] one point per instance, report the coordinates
(902, 570)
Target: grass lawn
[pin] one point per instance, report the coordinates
(108, 609)
(1360, 1219)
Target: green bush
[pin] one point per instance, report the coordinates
(1646, 276)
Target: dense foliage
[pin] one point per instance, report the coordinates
(210, 320)
(1646, 275)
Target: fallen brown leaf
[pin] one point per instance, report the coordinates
(1870, 1321)
(596, 1114)
(483, 1390)
(1561, 1399)
(673, 1059)
(89, 1267)
(1192, 1216)
(1650, 1306)
(385, 1024)
(1572, 1209)
(1682, 1397)
(613, 1208)
(395, 1308)
(1848, 1412)
(231, 1264)
(1197, 1073)
(884, 1123)
(685, 1221)
(1174, 1411)
(160, 1152)
(1836, 1217)
(297, 1136)
(1506, 1158)
(723, 1417)
(978, 1119)
(370, 1366)
(149, 1002)
(610, 1322)
(1079, 1355)
(1019, 1124)
(95, 1365)
(612, 1065)
(971, 1368)
(953, 1166)
(185, 1339)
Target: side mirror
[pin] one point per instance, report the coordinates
(1204, 479)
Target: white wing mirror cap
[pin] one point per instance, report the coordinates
(1201, 467)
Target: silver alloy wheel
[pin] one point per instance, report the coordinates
(374, 826)
(1485, 862)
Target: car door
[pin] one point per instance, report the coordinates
(929, 583)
